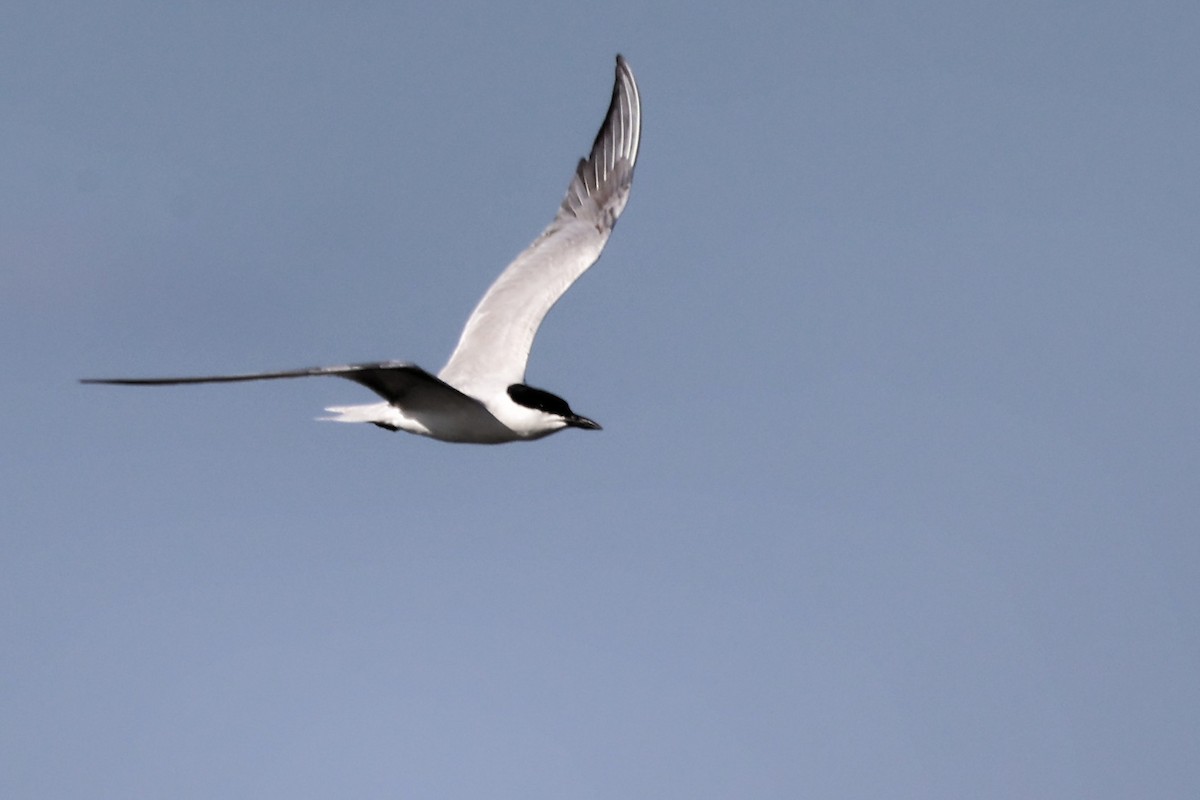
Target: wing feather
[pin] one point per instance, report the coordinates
(494, 346)
(398, 382)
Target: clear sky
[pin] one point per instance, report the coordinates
(895, 348)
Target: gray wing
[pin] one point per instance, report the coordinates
(400, 383)
(495, 343)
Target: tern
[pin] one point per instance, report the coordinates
(480, 396)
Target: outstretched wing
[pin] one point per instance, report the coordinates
(494, 346)
(400, 383)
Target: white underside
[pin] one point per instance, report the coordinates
(468, 426)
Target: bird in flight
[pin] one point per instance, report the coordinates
(480, 396)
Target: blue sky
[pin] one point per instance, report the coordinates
(894, 348)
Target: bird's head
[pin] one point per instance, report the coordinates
(553, 412)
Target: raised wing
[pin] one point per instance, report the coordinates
(400, 383)
(494, 346)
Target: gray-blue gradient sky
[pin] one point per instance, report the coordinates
(896, 350)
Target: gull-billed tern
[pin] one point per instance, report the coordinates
(480, 396)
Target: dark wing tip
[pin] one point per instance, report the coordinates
(344, 371)
(601, 184)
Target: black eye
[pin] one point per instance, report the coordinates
(539, 399)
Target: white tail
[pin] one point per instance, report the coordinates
(374, 412)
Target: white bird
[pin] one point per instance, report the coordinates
(480, 396)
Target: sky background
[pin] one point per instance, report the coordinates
(895, 348)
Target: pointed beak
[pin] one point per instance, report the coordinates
(576, 421)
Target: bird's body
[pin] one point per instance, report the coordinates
(480, 396)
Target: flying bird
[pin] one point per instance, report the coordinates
(480, 396)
